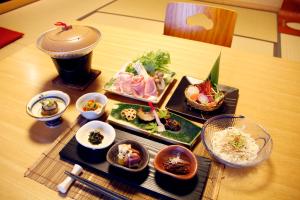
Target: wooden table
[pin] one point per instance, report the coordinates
(269, 94)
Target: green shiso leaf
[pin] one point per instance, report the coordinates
(214, 73)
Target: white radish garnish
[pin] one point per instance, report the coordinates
(203, 99)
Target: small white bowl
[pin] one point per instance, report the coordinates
(109, 133)
(34, 107)
(98, 97)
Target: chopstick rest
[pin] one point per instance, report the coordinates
(64, 186)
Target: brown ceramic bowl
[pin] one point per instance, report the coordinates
(112, 153)
(172, 151)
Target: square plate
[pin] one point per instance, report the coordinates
(177, 102)
(149, 180)
(108, 87)
(188, 135)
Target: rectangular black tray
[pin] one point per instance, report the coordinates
(177, 102)
(149, 181)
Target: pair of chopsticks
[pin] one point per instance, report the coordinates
(97, 187)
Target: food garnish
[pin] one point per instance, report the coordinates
(234, 145)
(163, 114)
(206, 96)
(176, 165)
(153, 61)
(128, 156)
(49, 107)
(129, 114)
(95, 137)
(91, 105)
(151, 127)
(145, 116)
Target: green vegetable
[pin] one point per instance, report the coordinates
(152, 127)
(95, 137)
(131, 69)
(214, 73)
(164, 114)
(155, 61)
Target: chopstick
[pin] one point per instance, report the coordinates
(97, 187)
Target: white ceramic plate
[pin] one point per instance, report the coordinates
(109, 133)
(155, 100)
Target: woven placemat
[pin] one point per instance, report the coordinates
(49, 171)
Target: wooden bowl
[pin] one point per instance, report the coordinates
(112, 153)
(171, 151)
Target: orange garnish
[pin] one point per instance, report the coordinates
(194, 97)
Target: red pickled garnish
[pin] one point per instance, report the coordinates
(205, 87)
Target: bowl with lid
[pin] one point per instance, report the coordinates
(70, 47)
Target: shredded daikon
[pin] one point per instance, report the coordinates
(234, 145)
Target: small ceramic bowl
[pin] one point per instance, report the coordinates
(98, 97)
(34, 106)
(173, 151)
(109, 133)
(111, 156)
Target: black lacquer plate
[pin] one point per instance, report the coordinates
(149, 180)
(177, 102)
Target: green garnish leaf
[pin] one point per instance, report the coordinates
(163, 114)
(155, 61)
(131, 69)
(238, 142)
(110, 83)
(152, 127)
(214, 73)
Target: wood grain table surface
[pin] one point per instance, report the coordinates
(269, 94)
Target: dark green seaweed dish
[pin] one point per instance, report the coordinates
(129, 116)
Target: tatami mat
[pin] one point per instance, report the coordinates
(147, 16)
(126, 22)
(250, 23)
(242, 43)
(253, 46)
(38, 17)
(290, 47)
